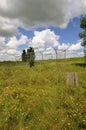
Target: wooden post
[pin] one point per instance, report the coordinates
(71, 78)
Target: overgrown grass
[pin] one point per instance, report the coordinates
(37, 98)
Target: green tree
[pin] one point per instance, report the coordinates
(24, 56)
(82, 35)
(31, 56)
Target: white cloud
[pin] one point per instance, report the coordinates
(63, 46)
(14, 42)
(9, 50)
(35, 13)
(48, 40)
(45, 39)
(75, 47)
(43, 42)
(8, 27)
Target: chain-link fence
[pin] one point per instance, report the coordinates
(57, 54)
(41, 54)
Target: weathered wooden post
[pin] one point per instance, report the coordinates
(71, 78)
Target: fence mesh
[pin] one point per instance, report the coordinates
(41, 54)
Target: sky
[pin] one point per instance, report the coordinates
(41, 24)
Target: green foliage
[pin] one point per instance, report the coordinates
(31, 56)
(36, 99)
(24, 56)
(82, 35)
(83, 23)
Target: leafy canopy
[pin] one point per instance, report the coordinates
(82, 35)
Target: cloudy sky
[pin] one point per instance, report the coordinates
(42, 24)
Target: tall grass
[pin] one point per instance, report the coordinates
(37, 98)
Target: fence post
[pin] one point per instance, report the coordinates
(71, 78)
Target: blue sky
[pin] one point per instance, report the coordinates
(70, 34)
(41, 24)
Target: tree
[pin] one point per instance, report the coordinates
(82, 35)
(31, 56)
(24, 56)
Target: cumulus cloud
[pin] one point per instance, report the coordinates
(76, 46)
(45, 39)
(35, 13)
(46, 44)
(7, 27)
(9, 50)
(63, 46)
(14, 42)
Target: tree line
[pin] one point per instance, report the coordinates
(29, 56)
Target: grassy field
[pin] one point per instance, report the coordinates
(37, 98)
